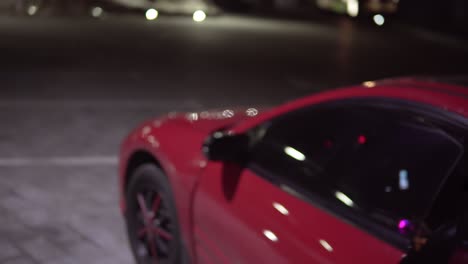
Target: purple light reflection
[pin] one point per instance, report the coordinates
(403, 224)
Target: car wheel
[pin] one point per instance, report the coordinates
(151, 218)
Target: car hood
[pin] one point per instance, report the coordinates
(211, 120)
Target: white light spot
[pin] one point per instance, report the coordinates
(192, 116)
(151, 14)
(251, 112)
(32, 10)
(379, 20)
(96, 11)
(326, 245)
(344, 199)
(403, 180)
(199, 16)
(352, 7)
(369, 84)
(388, 189)
(270, 235)
(228, 113)
(281, 208)
(294, 153)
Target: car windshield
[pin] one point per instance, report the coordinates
(78, 78)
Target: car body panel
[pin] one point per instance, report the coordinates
(250, 210)
(175, 141)
(156, 137)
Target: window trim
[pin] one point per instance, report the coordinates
(442, 118)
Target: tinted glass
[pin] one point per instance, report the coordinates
(372, 162)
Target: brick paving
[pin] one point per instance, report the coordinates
(61, 215)
(65, 212)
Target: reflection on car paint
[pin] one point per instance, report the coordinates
(270, 235)
(404, 181)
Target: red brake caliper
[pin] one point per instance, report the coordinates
(149, 229)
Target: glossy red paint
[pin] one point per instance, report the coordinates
(182, 161)
(261, 223)
(228, 215)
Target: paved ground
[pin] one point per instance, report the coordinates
(58, 192)
(71, 89)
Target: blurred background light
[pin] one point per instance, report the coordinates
(151, 14)
(379, 20)
(352, 7)
(32, 10)
(199, 16)
(404, 223)
(96, 11)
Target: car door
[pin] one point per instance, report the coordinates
(335, 183)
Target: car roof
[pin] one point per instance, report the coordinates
(448, 93)
(431, 92)
(455, 85)
(458, 80)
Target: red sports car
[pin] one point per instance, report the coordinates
(375, 173)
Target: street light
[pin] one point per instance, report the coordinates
(96, 11)
(352, 7)
(199, 16)
(379, 20)
(32, 10)
(151, 14)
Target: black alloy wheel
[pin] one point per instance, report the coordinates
(151, 218)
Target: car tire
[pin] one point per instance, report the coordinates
(148, 183)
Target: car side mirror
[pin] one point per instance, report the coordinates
(221, 146)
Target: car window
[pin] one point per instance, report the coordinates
(384, 166)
